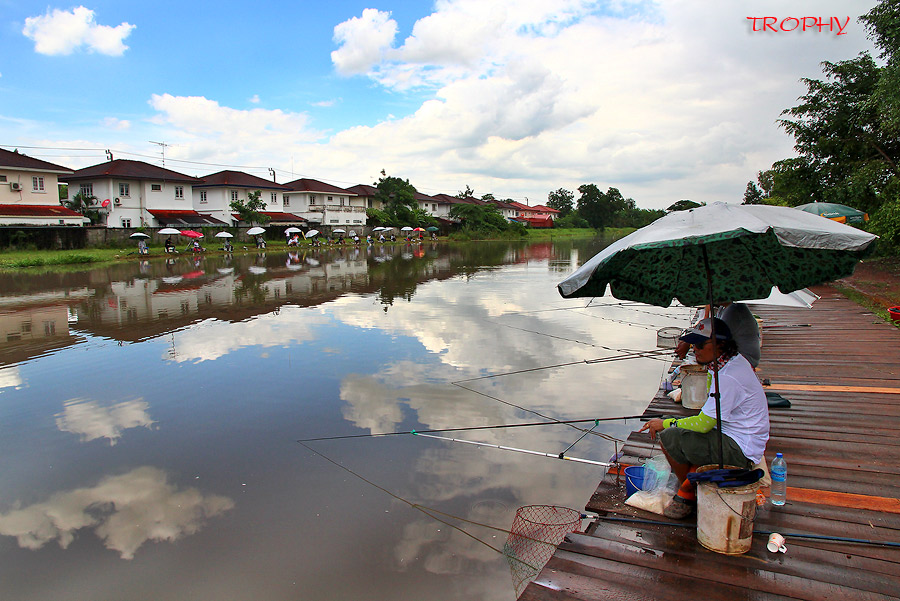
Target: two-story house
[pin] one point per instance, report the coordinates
(134, 194)
(29, 192)
(215, 193)
(324, 204)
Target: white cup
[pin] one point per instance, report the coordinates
(776, 543)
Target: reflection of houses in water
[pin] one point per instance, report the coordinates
(34, 325)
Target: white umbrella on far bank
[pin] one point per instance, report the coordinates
(224, 235)
(255, 231)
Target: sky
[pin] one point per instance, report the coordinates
(664, 100)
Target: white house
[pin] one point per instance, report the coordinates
(215, 193)
(134, 193)
(324, 204)
(29, 192)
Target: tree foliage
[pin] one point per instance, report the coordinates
(251, 211)
(83, 203)
(562, 200)
(398, 199)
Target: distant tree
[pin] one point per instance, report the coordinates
(250, 211)
(683, 205)
(488, 197)
(398, 197)
(753, 195)
(467, 193)
(562, 200)
(83, 203)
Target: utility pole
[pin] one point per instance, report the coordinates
(162, 145)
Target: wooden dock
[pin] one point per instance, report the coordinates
(839, 366)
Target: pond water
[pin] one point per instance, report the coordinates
(151, 413)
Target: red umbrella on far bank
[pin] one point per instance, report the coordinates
(191, 234)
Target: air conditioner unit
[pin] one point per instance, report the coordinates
(117, 202)
(15, 186)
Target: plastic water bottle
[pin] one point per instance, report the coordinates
(779, 480)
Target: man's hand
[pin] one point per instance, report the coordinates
(681, 349)
(653, 426)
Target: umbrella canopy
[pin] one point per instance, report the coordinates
(406, 229)
(798, 298)
(431, 228)
(312, 233)
(224, 235)
(419, 229)
(750, 249)
(191, 234)
(339, 231)
(292, 230)
(352, 233)
(720, 253)
(255, 231)
(170, 231)
(837, 212)
(377, 229)
(138, 235)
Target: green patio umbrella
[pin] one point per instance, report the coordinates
(431, 228)
(721, 253)
(837, 212)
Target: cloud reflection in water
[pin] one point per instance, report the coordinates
(90, 420)
(125, 512)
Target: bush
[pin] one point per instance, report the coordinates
(885, 223)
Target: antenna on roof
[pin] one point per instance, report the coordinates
(163, 146)
(272, 171)
(109, 156)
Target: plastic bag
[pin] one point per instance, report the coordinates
(658, 487)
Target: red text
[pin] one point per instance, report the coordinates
(788, 24)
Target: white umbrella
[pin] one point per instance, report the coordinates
(225, 270)
(312, 233)
(256, 270)
(377, 229)
(339, 231)
(352, 232)
(169, 231)
(253, 231)
(224, 235)
(803, 298)
(138, 235)
(406, 229)
(292, 230)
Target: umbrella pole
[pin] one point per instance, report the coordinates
(716, 395)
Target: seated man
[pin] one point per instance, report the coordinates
(170, 246)
(690, 442)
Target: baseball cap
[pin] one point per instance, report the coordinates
(701, 332)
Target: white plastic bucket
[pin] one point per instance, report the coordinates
(725, 516)
(694, 386)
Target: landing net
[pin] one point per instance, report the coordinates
(536, 532)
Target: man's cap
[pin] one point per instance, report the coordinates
(701, 332)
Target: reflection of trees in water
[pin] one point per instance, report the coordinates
(398, 275)
(250, 289)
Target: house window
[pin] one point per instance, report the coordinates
(287, 201)
(312, 199)
(37, 183)
(434, 208)
(86, 190)
(330, 198)
(274, 198)
(49, 328)
(126, 223)
(369, 202)
(234, 195)
(342, 201)
(179, 192)
(124, 189)
(203, 197)
(156, 187)
(2, 178)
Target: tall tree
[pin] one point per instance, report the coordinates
(251, 211)
(562, 200)
(398, 197)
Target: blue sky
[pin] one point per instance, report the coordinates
(665, 100)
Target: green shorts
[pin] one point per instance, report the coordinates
(696, 448)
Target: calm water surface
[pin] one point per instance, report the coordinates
(151, 411)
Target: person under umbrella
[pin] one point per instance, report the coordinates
(690, 442)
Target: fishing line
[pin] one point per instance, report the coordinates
(518, 450)
(429, 511)
(472, 428)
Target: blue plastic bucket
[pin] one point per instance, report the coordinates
(634, 479)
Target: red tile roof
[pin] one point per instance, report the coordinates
(312, 185)
(126, 169)
(237, 179)
(183, 217)
(544, 209)
(14, 160)
(37, 211)
(275, 216)
(363, 190)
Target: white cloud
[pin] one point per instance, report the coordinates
(254, 99)
(125, 512)
(62, 32)
(117, 124)
(91, 421)
(363, 41)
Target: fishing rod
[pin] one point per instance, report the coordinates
(562, 456)
(461, 429)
